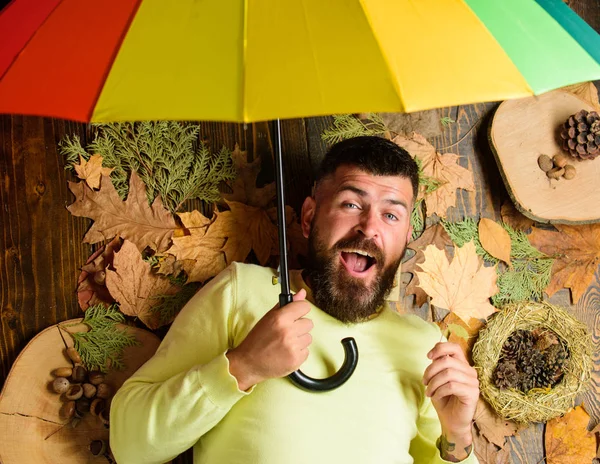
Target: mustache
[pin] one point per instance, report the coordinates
(362, 244)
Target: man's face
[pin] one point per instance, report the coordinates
(358, 225)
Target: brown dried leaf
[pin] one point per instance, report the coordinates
(132, 219)
(136, 287)
(488, 453)
(495, 239)
(577, 253)
(494, 428)
(463, 286)
(472, 329)
(436, 235)
(512, 217)
(567, 439)
(297, 244)
(244, 186)
(91, 284)
(201, 253)
(441, 167)
(254, 227)
(91, 171)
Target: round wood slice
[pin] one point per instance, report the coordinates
(31, 430)
(522, 130)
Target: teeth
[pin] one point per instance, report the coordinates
(359, 252)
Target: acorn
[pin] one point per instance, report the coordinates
(79, 374)
(97, 406)
(74, 392)
(82, 405)
(89, 390)
(98, 447)
(96, 377)
(63, 372)
(545, 163)
(60, 385)
(555, 173)
(560, 160)
(103, 390)
(73, 355)
(570, 172)
(67, 410)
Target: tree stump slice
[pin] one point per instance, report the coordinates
(31, 429)
(522, 130)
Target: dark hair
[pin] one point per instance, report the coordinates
(375, 155)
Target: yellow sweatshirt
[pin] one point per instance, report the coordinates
(185, 396)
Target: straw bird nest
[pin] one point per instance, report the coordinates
(538, 404)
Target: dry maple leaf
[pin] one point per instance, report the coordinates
(441, 167)
(463, 286)
(494, 239)
(133, 219)
(244, 185)
(576, 250)
(136, 287)
(567, 439)
(488, 453)
(201, 253)
(493, 427)
(255, 229)
(91, 171)
(512, 217)
(472, 330)
(435, 235)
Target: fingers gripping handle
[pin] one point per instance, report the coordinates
(302, 380)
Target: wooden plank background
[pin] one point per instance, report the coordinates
(40, 242)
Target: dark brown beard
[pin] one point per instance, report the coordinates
(339, 294)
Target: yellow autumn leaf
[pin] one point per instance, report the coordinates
(463, 286)
(567, 439)
(92, 171)
(495, 239)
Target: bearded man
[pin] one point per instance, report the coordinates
(217, 381)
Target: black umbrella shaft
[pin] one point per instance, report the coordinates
(285, 296)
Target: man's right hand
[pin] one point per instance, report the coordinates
(275, 347)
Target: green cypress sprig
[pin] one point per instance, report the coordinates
(530, 272)
(167, 156)
(346, 126)
(102, 346)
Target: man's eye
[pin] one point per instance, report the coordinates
(350, 205)
(391, 216)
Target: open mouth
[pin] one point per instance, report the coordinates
(357, 262)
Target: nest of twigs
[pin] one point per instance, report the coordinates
(539, 404)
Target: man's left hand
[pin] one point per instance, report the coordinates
(454, 390)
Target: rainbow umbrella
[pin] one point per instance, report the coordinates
(243, 61)
(252, 60)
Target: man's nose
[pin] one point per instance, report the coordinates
(368, 225)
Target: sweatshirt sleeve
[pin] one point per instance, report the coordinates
(423, 447)
(185, 389)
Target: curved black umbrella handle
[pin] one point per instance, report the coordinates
(302, 380)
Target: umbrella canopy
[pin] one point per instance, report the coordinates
(252, 60)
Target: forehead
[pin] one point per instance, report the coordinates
(346, 176)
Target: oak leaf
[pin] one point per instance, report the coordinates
(488, 453)
(133, 219)
(435, 234)
(201, 252)
(493, 427)
(441, 167)
(567, 439)
(495, 239)
(136, 287)
(91, 171)
(512, 217)
(244, 185)
(463, 286)
(576, 250)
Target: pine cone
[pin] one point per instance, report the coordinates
(506, 374)
(556, 357)
(581, 135)
(532, 365)
(518, 342)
